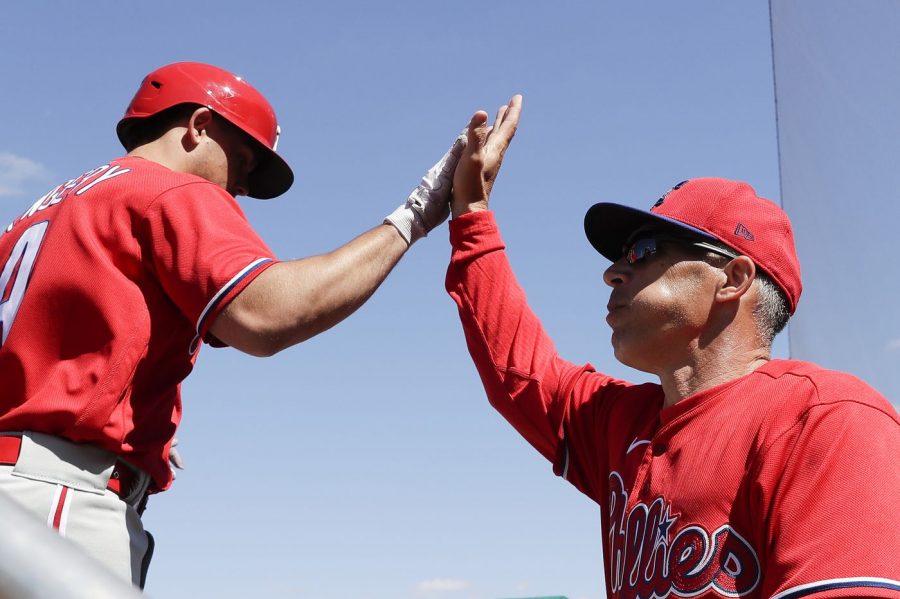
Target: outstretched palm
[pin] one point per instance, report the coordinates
(481, 159)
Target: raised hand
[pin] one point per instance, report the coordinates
(481, 159)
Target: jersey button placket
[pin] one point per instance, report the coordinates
(641, 487)
(654, 450)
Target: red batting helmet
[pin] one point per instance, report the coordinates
(230, 97)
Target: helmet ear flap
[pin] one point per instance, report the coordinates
(225, 94)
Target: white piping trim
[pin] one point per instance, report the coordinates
(848, 582)
(227, 287)
(637, 443)
(54, 505)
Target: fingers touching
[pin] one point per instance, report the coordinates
(481, 160)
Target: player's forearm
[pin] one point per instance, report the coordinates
(295, 300)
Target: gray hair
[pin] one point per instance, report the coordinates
(771, 312)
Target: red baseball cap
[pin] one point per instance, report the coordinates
(715, 210)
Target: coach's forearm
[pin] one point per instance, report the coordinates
(516, 359)
(295, 300)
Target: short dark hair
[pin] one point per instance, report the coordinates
(137, 132)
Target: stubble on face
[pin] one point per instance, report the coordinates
(659, 312)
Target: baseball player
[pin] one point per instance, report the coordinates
(736, 475)
(113, 279)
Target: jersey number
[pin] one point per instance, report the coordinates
(17, 273)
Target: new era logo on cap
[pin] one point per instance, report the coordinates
(744, 232)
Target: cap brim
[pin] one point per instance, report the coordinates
(271, 178)
(608, 226)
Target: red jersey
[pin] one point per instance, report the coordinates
(781, 483)
(109, 282)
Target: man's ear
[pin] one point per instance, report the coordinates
(198, 124)
(739, 275)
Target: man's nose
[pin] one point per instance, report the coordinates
(617, 273)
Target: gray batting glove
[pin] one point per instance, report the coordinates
(429, 204)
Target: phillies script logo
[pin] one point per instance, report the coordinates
(649, 558)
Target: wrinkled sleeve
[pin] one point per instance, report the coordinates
(830, 487)
(524, 377)
(203, 250)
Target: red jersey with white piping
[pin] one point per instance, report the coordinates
(781, 483)
(142, 259)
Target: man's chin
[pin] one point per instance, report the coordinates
(629, 356)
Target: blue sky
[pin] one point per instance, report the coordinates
(366, 463)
